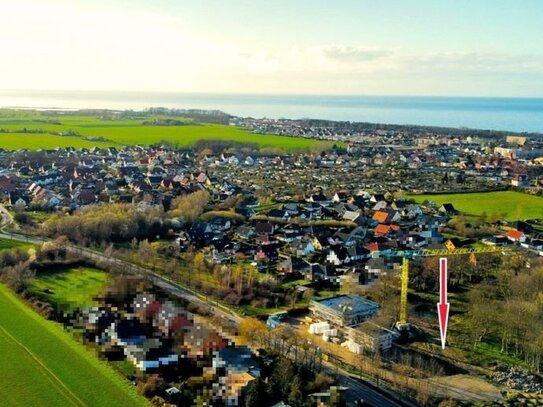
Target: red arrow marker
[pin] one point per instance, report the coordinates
(443, 305)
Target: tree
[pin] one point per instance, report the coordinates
(256, 394)
(281, 378)
(17, 276)
(295, 397)
(171, 267)
(146, 253)
(190, 206)
(198, 262)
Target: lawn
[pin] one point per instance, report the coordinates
(69, 289)
(13, 244)
(515, 205)
(44, 366)
(126, 132)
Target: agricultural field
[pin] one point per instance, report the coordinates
(515, 205)
(91, 132)
(70, 288)
(45, 366)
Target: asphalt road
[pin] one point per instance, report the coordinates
(356, 389)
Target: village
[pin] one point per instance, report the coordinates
(323, 227)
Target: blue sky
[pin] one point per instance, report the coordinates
(408, 47)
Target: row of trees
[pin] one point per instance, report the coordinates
(235, 284)
(106, 223)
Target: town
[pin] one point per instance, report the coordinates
(307, 244)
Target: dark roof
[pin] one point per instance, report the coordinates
(264, 227)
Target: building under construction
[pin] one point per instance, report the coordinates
(344, 310)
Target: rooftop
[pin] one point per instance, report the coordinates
(349, 304)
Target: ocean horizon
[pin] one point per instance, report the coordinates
(491, 113)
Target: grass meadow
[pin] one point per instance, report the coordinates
(515, 205)
(13, 244)
(70, 288)
(18, 124)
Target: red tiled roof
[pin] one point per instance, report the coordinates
(515, 234)
(382, 229)
(380, 216)
(373, 247)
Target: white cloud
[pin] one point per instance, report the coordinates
(350, 54)
(48, 45)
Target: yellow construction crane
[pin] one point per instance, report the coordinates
(406, 255)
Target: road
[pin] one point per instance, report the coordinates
(357, 389)
(5, 218)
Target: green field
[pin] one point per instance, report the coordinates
(44, 366)
(69, 289)
(125, 132)
(515, 205)
(12, 244)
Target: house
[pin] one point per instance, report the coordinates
(319, 198)
(264, 228)
(385, 230)
(337, 256)
(522, 226)
(127, 332)
(340, 196)
(350, 215)
(387, 216)
(520, 181)
(344, 310)
(432, 236)
(245, 232)
(151, 354)
(536, 244)
(321, 272)
(200, 341)
(377, 266)
(448, 209)
(378, 198)
(453, 243)
(85, 197)
(516, 235)
(357, 253)
(237, 359)
(220, 223)
(302, 248)
(414, 241)
(6, 187)
(293, 265)
(349, 238)
(230, 388)
(411, 211)
(19, 199)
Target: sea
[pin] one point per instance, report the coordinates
(508, 114)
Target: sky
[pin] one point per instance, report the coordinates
(366, 47)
